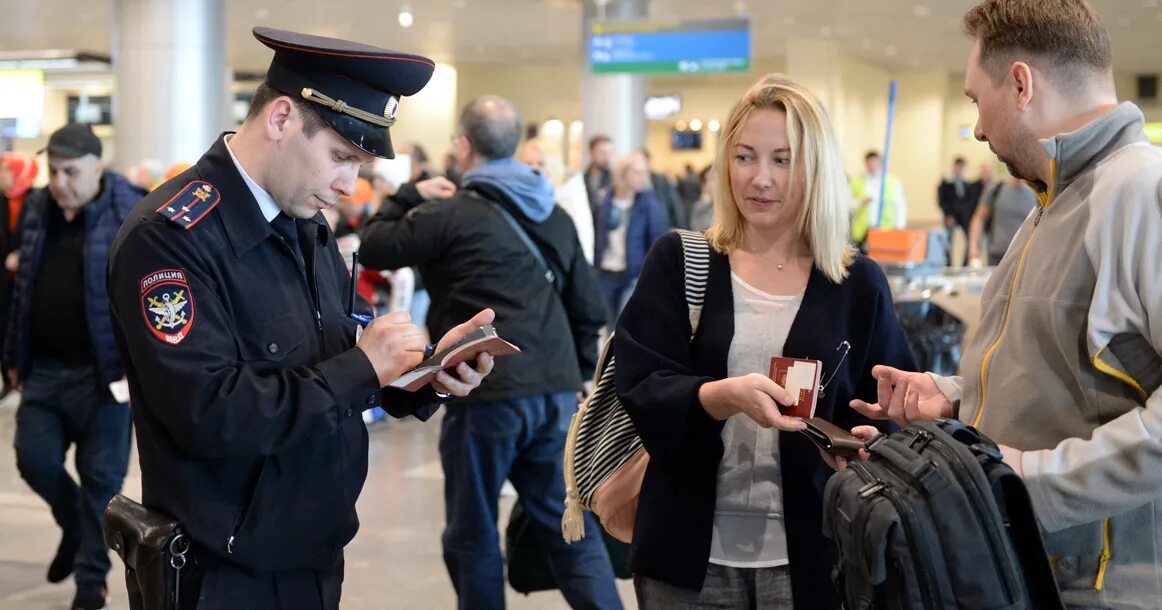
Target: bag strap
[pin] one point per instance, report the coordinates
(550, 275)
(528, 242)
(994, 195)
(1025, 533)
(696, 266)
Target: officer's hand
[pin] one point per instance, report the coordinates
(14, 380)
(12, 261)
(393, 345)
(458, 332)
(463, 379)
(436, 188)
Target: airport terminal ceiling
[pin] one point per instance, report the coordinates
(895, 34)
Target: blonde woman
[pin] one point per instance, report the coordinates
(629, 221)
(730, 508)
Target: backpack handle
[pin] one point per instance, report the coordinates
(907, 460)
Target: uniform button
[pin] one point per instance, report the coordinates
(348, 413)
(272, 348)
(371, 400)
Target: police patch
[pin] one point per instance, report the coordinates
(168, 305)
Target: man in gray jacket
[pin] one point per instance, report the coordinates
(1065, 369)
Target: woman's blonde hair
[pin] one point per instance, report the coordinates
(617, 176)
(818, 178)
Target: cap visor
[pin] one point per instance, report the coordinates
(371, 139)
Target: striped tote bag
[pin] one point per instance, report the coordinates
(604, 457)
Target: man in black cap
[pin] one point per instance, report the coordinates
(60, 348)
(247, 373)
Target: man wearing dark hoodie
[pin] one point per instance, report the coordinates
(472, 255)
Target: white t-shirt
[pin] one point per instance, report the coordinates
(748, 514)
(614, 258)
(574, 199)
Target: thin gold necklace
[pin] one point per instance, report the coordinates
(778, 266)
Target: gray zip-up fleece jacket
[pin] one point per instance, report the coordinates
(1066, 364)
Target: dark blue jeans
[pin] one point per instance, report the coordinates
(522, 440)
(60, 406)
(616, 288)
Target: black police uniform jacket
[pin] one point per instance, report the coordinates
(246, 386)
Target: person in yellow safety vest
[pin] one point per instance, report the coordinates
(865, 189)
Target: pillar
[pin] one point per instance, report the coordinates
(171, 97)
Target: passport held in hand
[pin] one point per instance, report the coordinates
(479, 341)
(800, 378)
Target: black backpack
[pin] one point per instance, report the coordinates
(935, 520)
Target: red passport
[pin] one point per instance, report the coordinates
(800, 378)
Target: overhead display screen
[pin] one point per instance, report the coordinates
(700, 46)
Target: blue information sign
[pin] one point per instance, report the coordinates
(669, 47)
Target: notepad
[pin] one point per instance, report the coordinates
(480, 341)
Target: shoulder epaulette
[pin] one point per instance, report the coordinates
(191, 204)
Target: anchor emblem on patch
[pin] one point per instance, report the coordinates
(168, 312)
(168, 305)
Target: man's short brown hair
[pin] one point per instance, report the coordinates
(266, 94)
(1065, 36)
(598, 139)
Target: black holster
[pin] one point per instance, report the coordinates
(154, 548)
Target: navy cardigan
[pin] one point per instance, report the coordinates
(659, 372)
(644, 228)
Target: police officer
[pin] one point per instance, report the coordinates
(247, 373)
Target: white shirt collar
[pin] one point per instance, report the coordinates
(266, 203)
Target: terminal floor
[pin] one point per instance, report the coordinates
(394, 562)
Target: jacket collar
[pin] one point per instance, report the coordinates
(115, 190)
(1071, 154)
(245, 225)
(104, 199)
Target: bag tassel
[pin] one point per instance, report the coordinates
(572, 521)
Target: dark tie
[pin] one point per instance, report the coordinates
(285, 226)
